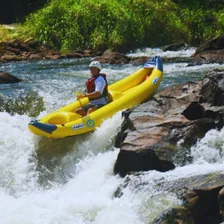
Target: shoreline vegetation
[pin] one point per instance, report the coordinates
(119, 25)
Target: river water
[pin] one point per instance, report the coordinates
(71, 181)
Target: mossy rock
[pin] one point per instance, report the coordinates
(179, 215)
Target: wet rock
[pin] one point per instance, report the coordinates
(84, 53)
(171, 122)
(221, 203)
(10, 57)
(139, 60)
(54, 56)
(75, 55)
(178, 215)
(5, 77)
(199, 201)
(194, 111)
(31, 43)
(113, 58)
(12, 51)
(175, 47)
(35, 57)
(208, 57)
(88, 53)
(213, 44)
(212, 89)
(129, 161)
(17, 44)
(201, 197)
(212, 51)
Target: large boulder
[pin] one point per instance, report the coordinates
(139, 60)
(202, 202)
(5, 77)
(175, 47)
(211, 45)
(212, 51)
(113, 58)
(130, 161)
(201, 196)
(208, 57)
(212, 88)
(170, 124)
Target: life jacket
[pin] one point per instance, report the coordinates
(90, 86)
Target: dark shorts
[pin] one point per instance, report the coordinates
(88, 106)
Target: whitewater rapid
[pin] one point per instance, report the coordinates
(71, 181)
(87, 194)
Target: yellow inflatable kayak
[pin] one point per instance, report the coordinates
(123, 94)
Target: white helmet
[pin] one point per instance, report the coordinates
(95, 64)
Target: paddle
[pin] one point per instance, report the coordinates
(80, 94)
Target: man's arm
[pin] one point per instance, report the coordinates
(93, 95)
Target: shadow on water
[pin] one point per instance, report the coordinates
(55, 158)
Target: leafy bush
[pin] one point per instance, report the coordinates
(122, 25)
(10, 32)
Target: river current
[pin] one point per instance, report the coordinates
(71, 180)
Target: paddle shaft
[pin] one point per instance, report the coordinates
(80, 103)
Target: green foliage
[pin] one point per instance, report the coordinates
(122, 25)
(9, 32)
(30, 104)
(201, 24)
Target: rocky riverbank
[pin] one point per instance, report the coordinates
(212, 51)
(18, 50)
(158, 135)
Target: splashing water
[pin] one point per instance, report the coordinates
(157, 51)
(210, 149)
(16, 154)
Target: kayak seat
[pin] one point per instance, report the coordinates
(63, 117)
(113, 95)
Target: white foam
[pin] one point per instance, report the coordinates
(150, 52)
(88, 192)
(87, 197)
(100, 140)
(182, 69)
(16, 154)
(210, 149)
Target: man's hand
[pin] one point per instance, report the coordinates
(80, 95)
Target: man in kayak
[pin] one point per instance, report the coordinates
(96, 90)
